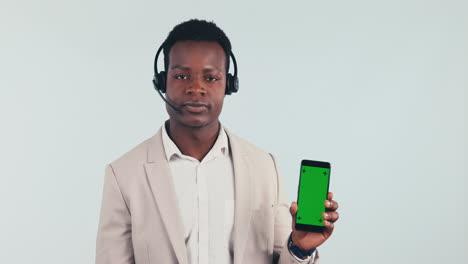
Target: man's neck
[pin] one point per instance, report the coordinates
(193, 142)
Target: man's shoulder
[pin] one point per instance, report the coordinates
(135, 156)
(139, 154)
(246, 147)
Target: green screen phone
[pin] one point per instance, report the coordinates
(311, 195)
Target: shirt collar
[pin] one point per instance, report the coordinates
(221, 146)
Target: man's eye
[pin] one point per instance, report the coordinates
(181, 77)
(212, 78)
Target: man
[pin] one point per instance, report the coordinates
(195, 192)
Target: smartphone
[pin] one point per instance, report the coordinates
(312, 192)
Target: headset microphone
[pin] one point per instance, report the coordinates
(164, 99)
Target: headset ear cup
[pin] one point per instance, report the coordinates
(162, 81)
(228, 85)
(235, 84)
(232, 84)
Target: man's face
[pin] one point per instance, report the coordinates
(196, 81)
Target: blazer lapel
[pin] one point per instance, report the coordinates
(243, 193)
(159, 177)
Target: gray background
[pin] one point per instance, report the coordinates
(378, 88)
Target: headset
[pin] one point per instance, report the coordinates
(159, 78)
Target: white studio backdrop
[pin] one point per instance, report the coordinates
(378, 88)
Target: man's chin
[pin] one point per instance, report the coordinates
(195, 123)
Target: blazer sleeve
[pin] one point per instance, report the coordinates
(114, 237)
(283, 226)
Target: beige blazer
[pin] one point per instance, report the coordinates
(140, 222)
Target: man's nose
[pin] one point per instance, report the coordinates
(196, 87)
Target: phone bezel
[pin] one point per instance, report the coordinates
(319, 164)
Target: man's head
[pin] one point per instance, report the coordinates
(196, 30)
(196, 59)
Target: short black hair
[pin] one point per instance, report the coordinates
(196, 30)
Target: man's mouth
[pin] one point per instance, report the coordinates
(195, 107)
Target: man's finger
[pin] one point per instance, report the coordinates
(330, 196)
(293, 211)
(329, 226)
(331, 205)
(331, 216)
(293, 208)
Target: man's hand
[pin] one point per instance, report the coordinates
(308, 240)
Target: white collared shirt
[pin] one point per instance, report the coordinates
(205, 191)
